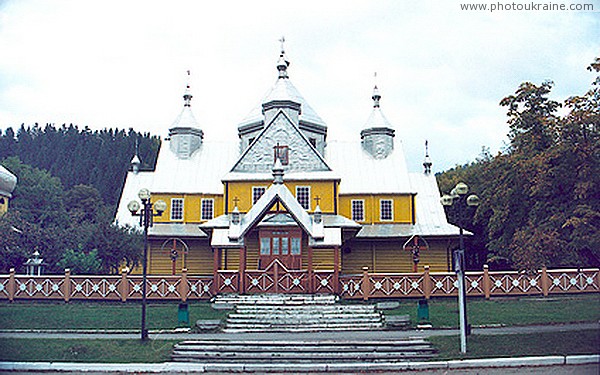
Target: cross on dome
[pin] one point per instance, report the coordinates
(187, 96)
(282, 64)
(376, 96)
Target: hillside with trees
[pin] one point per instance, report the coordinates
(80, 156)
(69, 182)
(540, 199)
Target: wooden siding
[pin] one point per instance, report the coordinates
(387, 256)
(252, 250)
(230, 259)
(191, 206)
(242, 190)
(402, 209)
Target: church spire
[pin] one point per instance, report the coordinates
(427, 162)
(282, 63)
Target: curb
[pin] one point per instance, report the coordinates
(174, 367)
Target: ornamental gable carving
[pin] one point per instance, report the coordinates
(302, 157)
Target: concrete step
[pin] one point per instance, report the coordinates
(275, 299)
(306, 308)
(303, 351)
(301, 319)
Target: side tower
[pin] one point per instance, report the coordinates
(8, 181)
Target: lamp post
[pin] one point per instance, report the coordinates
(457, 198)
(146, 220)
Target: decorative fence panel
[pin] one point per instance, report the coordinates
(280, 280)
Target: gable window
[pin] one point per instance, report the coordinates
(281, 153)
(303, 196)
(177, 209)
(207, 209)
(358, 210)
(257, 192)
(386, 212)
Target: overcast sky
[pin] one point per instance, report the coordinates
(441, 71)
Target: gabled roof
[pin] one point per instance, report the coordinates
(303, 157)
(276, 193)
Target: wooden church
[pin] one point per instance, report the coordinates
(285, 199)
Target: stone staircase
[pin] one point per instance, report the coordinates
(346, 351)
(295, 313)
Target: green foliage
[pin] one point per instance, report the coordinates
(80, 261)
(539, 200)
(71, 229)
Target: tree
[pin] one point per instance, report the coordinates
(532, 117)
(539, 199)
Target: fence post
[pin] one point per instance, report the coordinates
(183, 285)
(544, 281)
(67, 285)
(124, 290)
(365, 285)
(12, 285)
(486, 281)
(426, 282)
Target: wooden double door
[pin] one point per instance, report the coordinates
(282, 244)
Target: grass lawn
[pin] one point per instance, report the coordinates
(443, 312)
(83, 350)
(546, 343)
(97, 315)
(156, 351)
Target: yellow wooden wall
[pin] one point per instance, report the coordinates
(242, 190)
(198, 260)
(3, 205)
(191, 206)
(389, 257)
(403, 207)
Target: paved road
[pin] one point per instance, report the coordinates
(339, 335)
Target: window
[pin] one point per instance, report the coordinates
(295, 246)
(280, 242)
(265, 246)
(281, 153)
(207, 211)
(257, 192)
(386, 212)
(303, 196)
(177, 209)
(358, 210)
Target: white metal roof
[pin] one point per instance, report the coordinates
(284, 89)
(8, 181)
(361, 173)
(201, 173)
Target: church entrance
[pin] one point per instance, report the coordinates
(282, 244)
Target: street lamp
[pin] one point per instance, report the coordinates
(457, 195)
(146, 220)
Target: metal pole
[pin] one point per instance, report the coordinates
(460, 271)
(462, 297)
(145, 215)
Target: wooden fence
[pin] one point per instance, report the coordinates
(365, 286)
